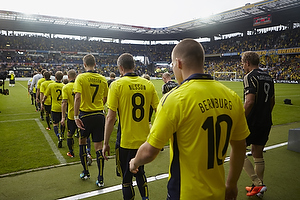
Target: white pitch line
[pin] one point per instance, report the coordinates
(57, 153)
(23, 86)
(150, 179)
(111, 189)
(17, 120)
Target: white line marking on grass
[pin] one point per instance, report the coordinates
(112, 189)
(150, 179)
(17, 120)
(57, 153)
(23, 86)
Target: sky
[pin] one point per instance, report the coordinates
(153, 13)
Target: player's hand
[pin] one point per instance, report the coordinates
(231, 192)
(37, 100)
(62, 122)
(106, 148)
(132, 167)
(79, 124)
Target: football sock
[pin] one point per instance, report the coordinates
(128, 191)
(259, 167)
(83, 158)
(70, 143)
(48, 121)
(100, 163)
(88, 146)
(62, 130)
(141, 181)
(55, 128)
(249, 169)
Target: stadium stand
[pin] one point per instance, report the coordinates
(280, 54)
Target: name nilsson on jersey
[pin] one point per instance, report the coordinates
(213, 103)
(137, 87)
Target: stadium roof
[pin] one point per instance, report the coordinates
(258, 15)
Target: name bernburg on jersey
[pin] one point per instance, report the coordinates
(213, 103)
(137, 87)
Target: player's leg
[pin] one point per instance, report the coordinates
(70, 141)
(83, 135)
(127, 187)
(88, 151)
(83, 157)
(98, 136)
(141, 181)
(257, 153)
(56, 116)
(48, 111)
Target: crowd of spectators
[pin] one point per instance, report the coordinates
(63, 54)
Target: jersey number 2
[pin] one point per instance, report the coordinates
(214, 130)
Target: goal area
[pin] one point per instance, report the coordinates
(225, 76)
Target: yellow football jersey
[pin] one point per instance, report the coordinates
(201, 116)
(55, 91)
(67, 93)
(93, 88)
(132, 97)
(43, 89)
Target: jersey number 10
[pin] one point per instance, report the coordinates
(214, 130)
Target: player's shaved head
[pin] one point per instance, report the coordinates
(190, 52)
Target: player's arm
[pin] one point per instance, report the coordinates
(77, 101)
(144, 155)
(64, 104)
(237, 156)
(249, 103)
(109, 126)
(104, 100)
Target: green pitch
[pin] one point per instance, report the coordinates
(32, 167)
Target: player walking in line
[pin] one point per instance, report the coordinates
(132, 97)
(32, 93)
(169, 84)
(90, 90)
(259, 102)
(47, 103)
(54, 90)
(68, 102)
(202, 117)
(38, 88)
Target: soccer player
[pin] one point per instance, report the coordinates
(259, 103)
(132, 97)
(47, 103)
(54, 90)
(32, 93)
(38, 98)
(169, 84)
(112, 77)
(12, 79)
(68, 101)
(202, 117)
(90, 90)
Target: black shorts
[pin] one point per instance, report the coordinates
(56, 117)
(123, 157)
(258, 135)
(71, 126)
(94, 123)
(48, 108)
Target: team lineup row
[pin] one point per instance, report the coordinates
(177, 118)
